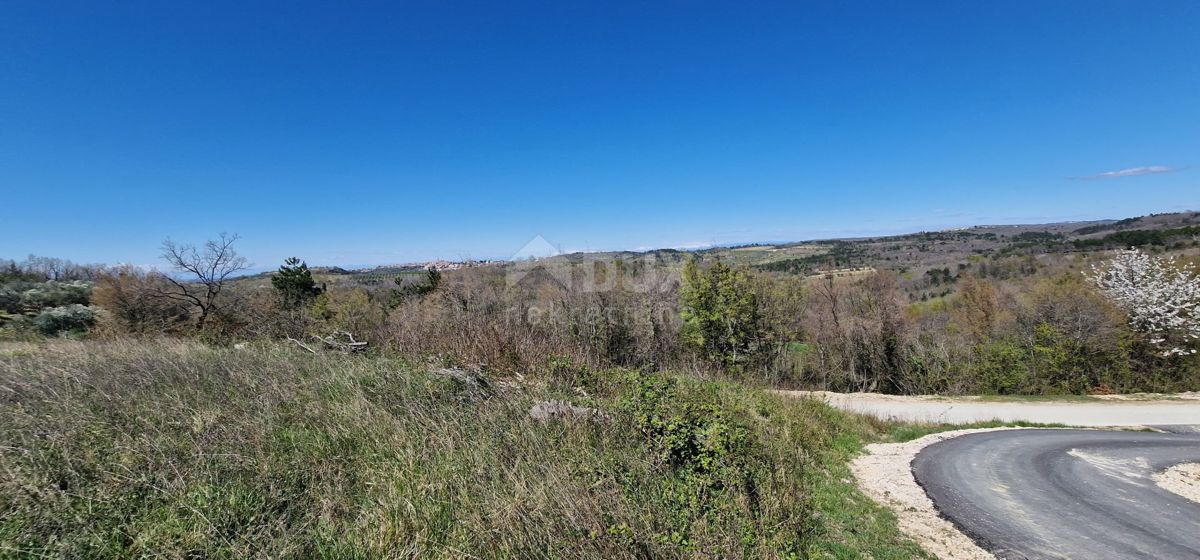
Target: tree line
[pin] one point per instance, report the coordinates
(1127, 323)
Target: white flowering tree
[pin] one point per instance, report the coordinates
(1161, 296)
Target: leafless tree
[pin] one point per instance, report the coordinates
(209, 268)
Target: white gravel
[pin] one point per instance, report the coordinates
(1125, 410)
(1181, 479)
(885, 474)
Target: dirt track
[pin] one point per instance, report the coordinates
(1137, 410)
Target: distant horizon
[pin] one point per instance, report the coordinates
(409, 132)
(735, 244)
(259, 268)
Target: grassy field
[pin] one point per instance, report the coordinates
(174, 449)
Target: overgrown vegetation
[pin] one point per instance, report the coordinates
(1139, 238)
(47, 296)
(306, 413)
(1002, 324)
(178, 449)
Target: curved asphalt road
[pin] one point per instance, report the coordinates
(1064, 493)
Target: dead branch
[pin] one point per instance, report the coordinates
(301, 344)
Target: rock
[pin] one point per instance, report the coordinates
(556, 410)
(476, 385)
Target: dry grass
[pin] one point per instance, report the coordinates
(174, 449)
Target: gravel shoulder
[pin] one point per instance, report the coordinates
(1181, 479)
(884, 473)
(1111, 410)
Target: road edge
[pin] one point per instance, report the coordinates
(884, 473)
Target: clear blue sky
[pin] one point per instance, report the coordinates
(353, 133)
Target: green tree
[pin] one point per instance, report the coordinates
(721, 314)
(295, 283)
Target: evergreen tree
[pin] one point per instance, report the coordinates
(721, 316)
(295, 283)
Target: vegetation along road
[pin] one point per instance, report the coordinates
(1065, 493)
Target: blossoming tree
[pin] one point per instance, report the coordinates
(1161, 296)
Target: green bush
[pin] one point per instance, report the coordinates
(71, 318)
(721, 314)
(1002, 367)
(27, 297)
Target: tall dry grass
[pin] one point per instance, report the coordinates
(174, 449)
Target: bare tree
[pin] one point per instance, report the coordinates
(209, 268)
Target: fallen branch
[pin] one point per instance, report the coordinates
(301, 344)
(351, 345)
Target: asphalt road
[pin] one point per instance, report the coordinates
(1065, 493)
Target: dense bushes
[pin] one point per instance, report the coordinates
(1014, 326)
(479, 316)
(1050, 335)
(47, 307)
(71, 318)
(26, 297)
(1044, 332)
(135, 305)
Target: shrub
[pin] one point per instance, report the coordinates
(408, 289)
(135, 304)
(72, 318)
(1078, 338)
(29, 297)
(1002, 367)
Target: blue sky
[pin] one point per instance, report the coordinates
(355, 133)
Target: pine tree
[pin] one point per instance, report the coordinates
(295, 283)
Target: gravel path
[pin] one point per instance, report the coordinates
(1112, 411)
